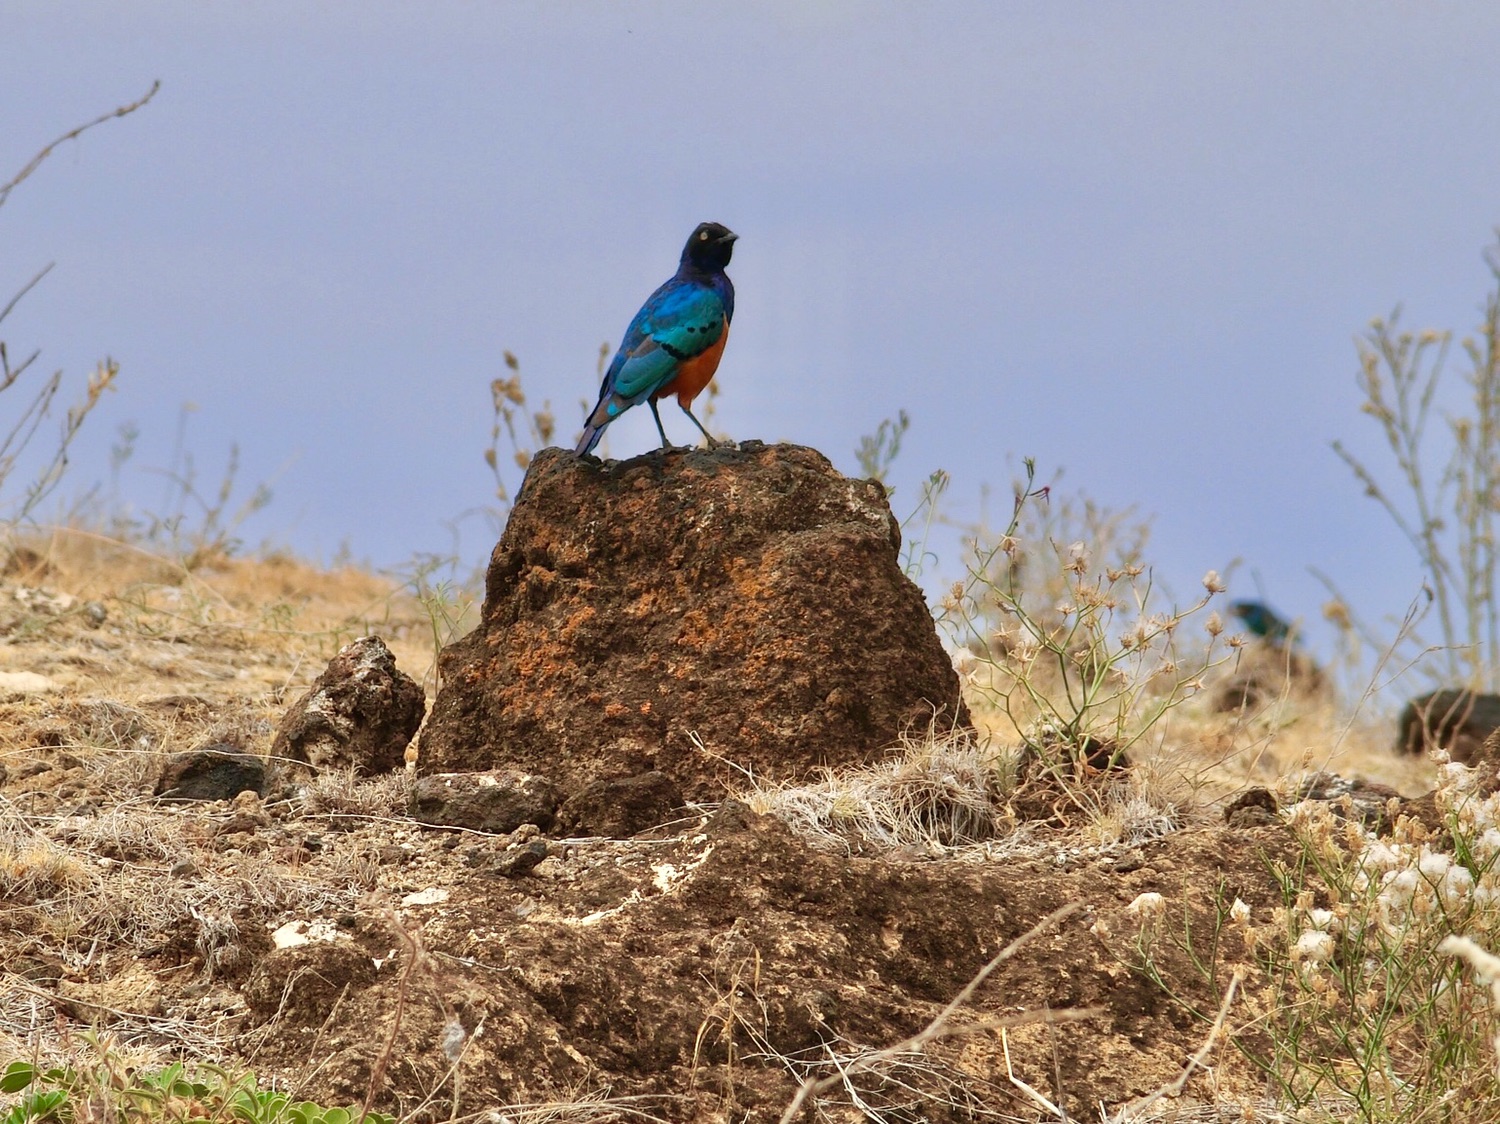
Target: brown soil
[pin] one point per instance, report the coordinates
(695, 973)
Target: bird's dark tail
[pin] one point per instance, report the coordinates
(593, 425)
(590, 438)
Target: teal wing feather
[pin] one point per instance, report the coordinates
(680, 320)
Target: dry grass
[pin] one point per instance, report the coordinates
(948, 794)
(937, 793)
(142, 658)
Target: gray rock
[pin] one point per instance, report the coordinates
(497, 801)
(215, 772)
(514, 861)
(362, 712)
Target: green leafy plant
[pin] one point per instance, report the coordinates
(108, 1089)
(451, 605)
(916, 528)
(1074, 652)
(878, 451)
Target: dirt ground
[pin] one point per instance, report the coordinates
(700, 972)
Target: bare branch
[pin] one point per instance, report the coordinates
(36, 160)
(26, 288)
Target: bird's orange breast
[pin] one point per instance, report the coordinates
(695, 373)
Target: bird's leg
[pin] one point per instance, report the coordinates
(665, 444)
(713, 442)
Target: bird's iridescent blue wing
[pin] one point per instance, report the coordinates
(680, 320)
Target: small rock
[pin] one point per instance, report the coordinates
(498, 801)
(550, 867)
(393, 854)
(215, 772)
(300, 932)
(247, 815)
(1255, 807)
(621, 807)
(1368, 801)
(40, 600)
(183, 868)
(361, 712)
(434, 895)
(513, 862)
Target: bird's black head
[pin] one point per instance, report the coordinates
(709, 246)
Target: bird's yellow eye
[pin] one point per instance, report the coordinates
(703, 236)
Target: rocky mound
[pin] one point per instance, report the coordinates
(749, 599)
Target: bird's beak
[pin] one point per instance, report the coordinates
(730, 237)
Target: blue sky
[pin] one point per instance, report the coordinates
(1133, 241)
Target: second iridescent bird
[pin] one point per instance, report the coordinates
(673, 345)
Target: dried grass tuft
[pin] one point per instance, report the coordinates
(941, 792)
(340, 792)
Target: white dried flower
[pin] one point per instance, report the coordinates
(1147, 906)
(1239, 912)
(1487, 845)
(1434, 865)
(1398, 891)
(1379, 857)
(1323, 919)
(1456, 777)
(1213, 583)
(1313, 947)
(1457, 887)
(1453, 881)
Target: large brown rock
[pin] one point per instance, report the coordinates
(751, 597)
